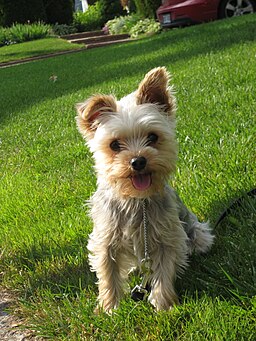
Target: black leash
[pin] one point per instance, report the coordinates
(235, 204)
(140, 292)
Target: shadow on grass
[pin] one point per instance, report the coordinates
(228, 270)
(59, 269)
(27, 85)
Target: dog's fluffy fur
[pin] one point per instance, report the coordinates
(134, 147)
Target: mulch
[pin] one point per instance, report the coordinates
(11, 326)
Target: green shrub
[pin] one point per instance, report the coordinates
(140, 7)
(133, 25)
(61, 30)
(122, 24)
(129, 6)
(147, 8)
(90, 20)
(4, 37)
(110, 9)
(59, 11)
(22, 11)
(20, 33)
(1, 14)
(145, 27)
(152, 6)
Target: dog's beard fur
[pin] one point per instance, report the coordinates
(115, 168)
(141, 126)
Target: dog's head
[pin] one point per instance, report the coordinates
(133, 140)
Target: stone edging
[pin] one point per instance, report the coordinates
(45, 56)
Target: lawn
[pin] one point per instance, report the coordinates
(46, 175)
(35, 48)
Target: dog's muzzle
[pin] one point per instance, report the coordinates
(138, 163)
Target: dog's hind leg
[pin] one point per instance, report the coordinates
(199, 234)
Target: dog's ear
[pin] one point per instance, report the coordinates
(154, 88)
(91, 111)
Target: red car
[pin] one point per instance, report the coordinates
(185, 12)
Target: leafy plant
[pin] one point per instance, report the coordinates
(59, 11)
(89, 20)
(110, 8)
(19, 33)
(4, 39)
(20, 11)
(146, 26)
(122, 24)
(147, 8)
(134, 25)
(61, 30)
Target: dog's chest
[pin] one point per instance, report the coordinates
(132, 224)
(124, 220)
(152, 220)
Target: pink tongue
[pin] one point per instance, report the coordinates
(141, 181)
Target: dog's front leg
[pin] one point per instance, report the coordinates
(109, 279)
(164, 268)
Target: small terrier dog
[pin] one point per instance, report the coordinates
(137, 216)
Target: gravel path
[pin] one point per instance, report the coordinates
(9, 325)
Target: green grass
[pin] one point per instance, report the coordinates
(46, 175)
(35, 48)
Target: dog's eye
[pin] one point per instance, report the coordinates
(152, 138)
(115, 146)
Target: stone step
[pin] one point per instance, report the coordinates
(106, 43)
(99, 39)
(82, 35)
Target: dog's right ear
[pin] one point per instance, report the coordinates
(154, 88)
(92, 111)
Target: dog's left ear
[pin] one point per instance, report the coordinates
(154, 88)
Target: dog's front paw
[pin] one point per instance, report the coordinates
(163, 303)
(100, 309)
(105, 306)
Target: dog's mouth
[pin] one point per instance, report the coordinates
(141, 182)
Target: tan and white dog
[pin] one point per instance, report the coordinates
(136, 214)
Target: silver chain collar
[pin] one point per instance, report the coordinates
(145, 230)
(139, 292)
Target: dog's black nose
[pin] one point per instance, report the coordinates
(138, 163)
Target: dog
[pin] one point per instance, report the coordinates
(138, 218)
